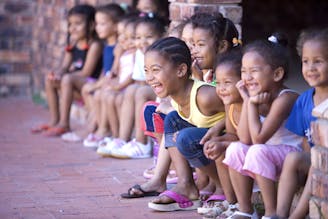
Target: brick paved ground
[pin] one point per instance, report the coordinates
(47, 178)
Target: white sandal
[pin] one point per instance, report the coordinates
(239, 213)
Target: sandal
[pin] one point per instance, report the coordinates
(181, 202)
(239, 213)
(71, 137)
(136, 195)
(40, 128)
(92, 140)
(214, 201)
(55, 131)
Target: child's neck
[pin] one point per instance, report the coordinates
(111, 40)
(182, 97)
(82, 43)
(321, 94)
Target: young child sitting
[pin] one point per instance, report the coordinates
(312, 46)
(264, 140)
(82, 60)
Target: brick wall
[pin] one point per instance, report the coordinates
(319, 159)
(231, 9)
(16, 21)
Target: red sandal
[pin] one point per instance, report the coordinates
(40, 128)
(55, 131)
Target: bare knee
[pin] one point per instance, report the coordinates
(66, 80)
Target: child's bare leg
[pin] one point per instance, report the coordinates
(269, 194)
(302, 207)
(143, 94)
(223, 173)
(186, 185)
(87, 97)
(158, 181)
(70, 82)
(101, 111)
(242, 186)
(293, 175)
(112, 114)
(211, 171)
(53, 101)
(126, 116)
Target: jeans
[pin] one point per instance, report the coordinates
(187, 139)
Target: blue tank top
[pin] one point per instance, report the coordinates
(108, 58)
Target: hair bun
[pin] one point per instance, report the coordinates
(279, 38)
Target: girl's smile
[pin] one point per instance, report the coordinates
(314, 64)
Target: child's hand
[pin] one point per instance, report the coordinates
(260, 98)
(211, 133)
(196, 71)
(208, 77)
(214, 148)
(242, 89)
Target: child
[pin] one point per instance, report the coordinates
(157, 183)
(82, 60)
(106, 17)
(264, 141)
(168, 70)
(312, 46)
(149, 28)
(227, 75)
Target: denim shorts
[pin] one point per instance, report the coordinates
(186, 140)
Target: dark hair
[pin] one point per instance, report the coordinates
(88, 12)
(113, 10)
(274, 51)
(174, 49)
(220, 27)
(179, 27)
(319, 35)
(155, 22)
(232, 58)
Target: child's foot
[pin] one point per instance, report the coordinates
(92, 140)
(56, 131)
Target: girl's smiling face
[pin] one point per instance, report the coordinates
(145, 36)
(315, 64)
(256, 73)
(161, 74)
(77, 27)
(204, 48)
(226, 80)
(129, 36)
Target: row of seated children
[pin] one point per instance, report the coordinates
(261, 93)
(260, 114)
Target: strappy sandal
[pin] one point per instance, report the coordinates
(239, 213)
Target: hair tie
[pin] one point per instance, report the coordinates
(273, 39)
(236, 42)
(148, 15)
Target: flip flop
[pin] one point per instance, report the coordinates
(55, 131)
(143, 194)
(181, 203)
(40, 128)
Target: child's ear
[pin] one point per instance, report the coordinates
(278, 74)
(182, 70)
(223, 46)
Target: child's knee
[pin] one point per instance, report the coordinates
(235, 148)
(66, 80)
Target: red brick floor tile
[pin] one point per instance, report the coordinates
(44, 177)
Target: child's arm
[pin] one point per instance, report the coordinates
(56, 75)
(165, 106)
(242, 130)
(216, 146)
(278, 113)
(209, 104)
(91, 61)
(122, 85)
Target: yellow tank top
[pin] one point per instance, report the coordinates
(196, 118)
